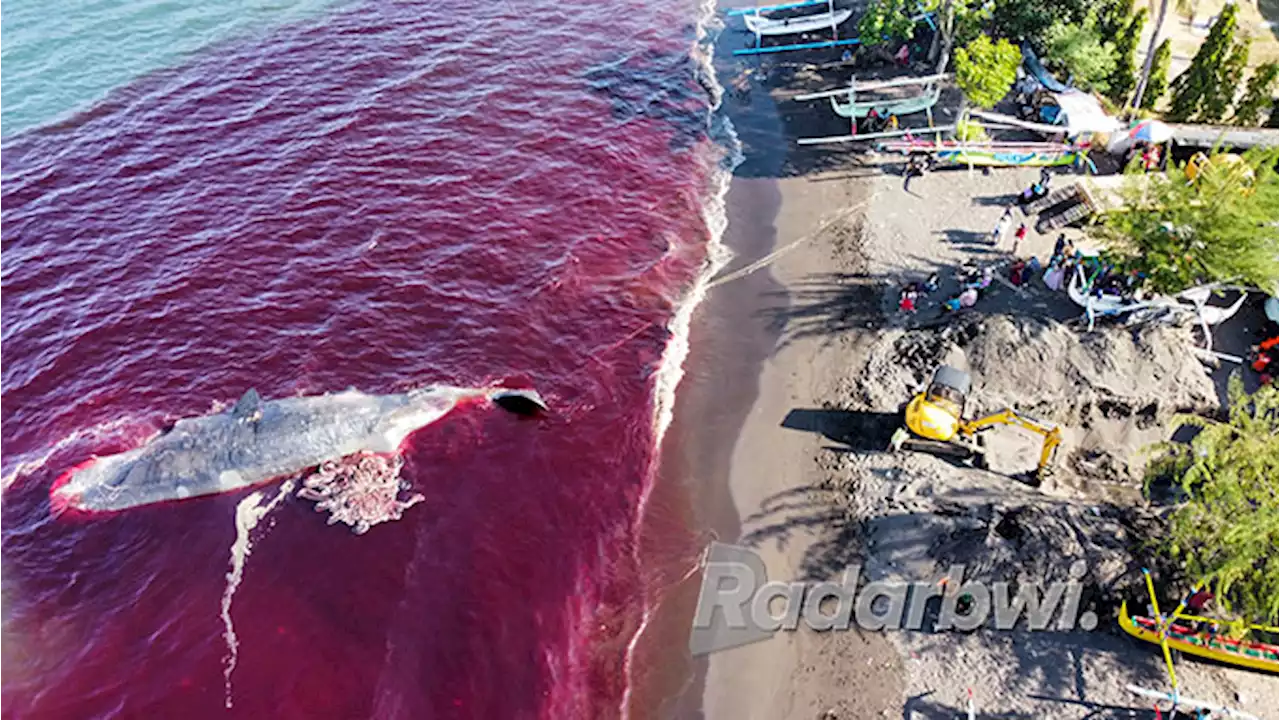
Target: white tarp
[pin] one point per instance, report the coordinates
(1083, 114)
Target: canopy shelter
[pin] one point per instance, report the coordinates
(1081, 113)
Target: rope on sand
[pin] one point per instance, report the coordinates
(768, 259)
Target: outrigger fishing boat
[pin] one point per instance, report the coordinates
(848, 102)
(762, 25)
(992, 153)
(1254, 655)
(1164, 631)
(769, 25)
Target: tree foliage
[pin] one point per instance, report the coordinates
(1205, 91)
(1259, 95)
(985, 70)
(1228, 527)
(887, 21)
(1079, 49)
(1030, 21)
(1123, 78)
(1219, 227)
(1158, 82)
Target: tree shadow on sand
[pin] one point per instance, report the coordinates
(808, 510)
(831, 305)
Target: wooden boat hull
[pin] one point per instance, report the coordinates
(901, 106)
(1255, 656)
(1079, 294)
(762, 25)
(997, 158)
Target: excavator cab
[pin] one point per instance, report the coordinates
(936, 413)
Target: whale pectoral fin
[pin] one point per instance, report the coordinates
(249, 407)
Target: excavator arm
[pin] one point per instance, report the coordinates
(1051, 434)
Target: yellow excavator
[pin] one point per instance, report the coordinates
(934, 423)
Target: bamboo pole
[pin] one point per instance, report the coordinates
(1177, 700)
(1039, 127)
(875, 85)
(869, 136)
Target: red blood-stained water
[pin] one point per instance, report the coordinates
(388, 196)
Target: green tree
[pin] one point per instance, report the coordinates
(1030, 21)
(887, 21)
(1122, 80)
(1114, 17)
(1158, 82)
(1140, 94)
(1259, 96)
(1220, 227)
(1078, 49)
(1227, 528)
(986, 69)
(1205, 90)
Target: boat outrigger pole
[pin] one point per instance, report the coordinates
(864, 87)
(1164, 631)
(1189, 702)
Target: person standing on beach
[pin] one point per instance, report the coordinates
(1019, 236)
(914, 168)
(1002, 225)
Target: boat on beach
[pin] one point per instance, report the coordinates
(1241, 653)
(764, 25)
(850, 108)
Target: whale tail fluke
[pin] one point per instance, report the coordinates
(521, 402)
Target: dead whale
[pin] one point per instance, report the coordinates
(257, 441)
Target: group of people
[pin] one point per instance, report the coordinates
(878, 120)
(911, 293)
(973, 281)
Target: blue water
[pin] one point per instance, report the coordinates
(59, 56)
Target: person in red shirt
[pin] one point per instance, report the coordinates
(1019, 236)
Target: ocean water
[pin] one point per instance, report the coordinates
(378, 195)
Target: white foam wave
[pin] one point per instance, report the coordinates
(94, 435)
(249, 513)
(716, 218)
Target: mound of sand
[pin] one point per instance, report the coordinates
(1111, 391)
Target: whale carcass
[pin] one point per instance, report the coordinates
(257, 441)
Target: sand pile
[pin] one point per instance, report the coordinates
(1111, 391)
